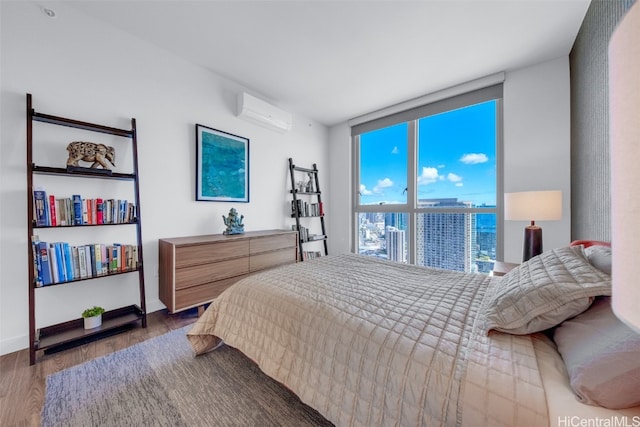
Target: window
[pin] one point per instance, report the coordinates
(383, 166)
(383, 235)
(427, 183)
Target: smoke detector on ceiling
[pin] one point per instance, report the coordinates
(48, 12)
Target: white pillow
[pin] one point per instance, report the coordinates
(600, 257)
(602, 356)
(544, 291)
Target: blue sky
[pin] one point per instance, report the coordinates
(456, 158)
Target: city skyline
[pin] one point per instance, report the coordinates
(454, 241)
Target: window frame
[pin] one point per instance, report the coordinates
(411, 116)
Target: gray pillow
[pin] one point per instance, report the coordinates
(602, 356)
(599, 257)
(544, 291)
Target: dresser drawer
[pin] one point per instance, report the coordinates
(204, 273)
(272, 259)
(210, 252)
(202, 294)
(270, 243)
(194, 270)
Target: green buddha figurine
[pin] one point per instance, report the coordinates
(233, 222)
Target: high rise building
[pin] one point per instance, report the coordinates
(396, 244)
(486, 240)
(396, 219)
(446, 240)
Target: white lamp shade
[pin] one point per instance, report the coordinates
(624, 121)
(533, 206)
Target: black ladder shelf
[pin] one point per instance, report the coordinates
(72, 333)
(302, 209)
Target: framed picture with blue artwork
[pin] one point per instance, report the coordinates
(222, 166)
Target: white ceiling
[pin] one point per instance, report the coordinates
(335, 60)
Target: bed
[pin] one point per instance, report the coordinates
(369, 342)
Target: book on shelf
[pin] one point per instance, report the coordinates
(99, 212)
(53, 260)
(106, 211)
(124, 255)
(313, 237)
(305, 208)
(113, 252)
(88, 264)
(122, 211)
(82, 262)
(53, 221)
(91, 211)
(104, 253)
(301, 207)
(305, 235)
(43, 249)
(56, 259)
(113, 215)
(96, 258)
(77, 209)
(60, 262)
(75, 258)
(303, 232)
(131, 213)
(307, 255)
(37, 261)
(134, 256)
(68, 261)
(61, 213)
(129, 255)
(40, 207)
(85, 212)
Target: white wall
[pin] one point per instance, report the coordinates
(537, 130)
(79, 68)
(536, 154)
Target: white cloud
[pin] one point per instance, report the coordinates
(453, 177)
(364, 191)
(382, 184)
(428, 176)
(459, 184)
(474, 158)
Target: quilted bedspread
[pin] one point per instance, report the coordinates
(368, 342)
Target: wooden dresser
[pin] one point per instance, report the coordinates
(194, 270)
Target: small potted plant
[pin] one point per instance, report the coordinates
(92, 317)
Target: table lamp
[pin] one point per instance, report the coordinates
(533, 206)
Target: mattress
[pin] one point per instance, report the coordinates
(368, 342)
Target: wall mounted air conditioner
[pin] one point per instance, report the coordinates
(261, 112)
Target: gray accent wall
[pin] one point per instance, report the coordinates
(590, 171)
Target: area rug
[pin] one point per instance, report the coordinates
(160, 382)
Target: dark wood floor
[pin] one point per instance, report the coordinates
(22, 387)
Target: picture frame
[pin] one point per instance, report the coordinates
(222, 166)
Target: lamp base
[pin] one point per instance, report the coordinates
(532, 242)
